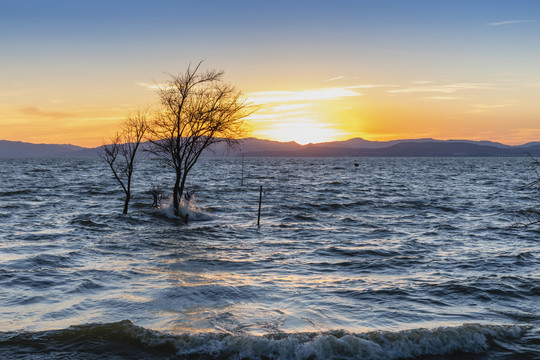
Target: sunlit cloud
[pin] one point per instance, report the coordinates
(334, 78)
(48, 125)
(369, 86)
(271, 116)
(480, 108)
(445, 89)
(442, 98)
(149, 86)
(38, 113)
(334, 93)
(287, 107)
(509, 22)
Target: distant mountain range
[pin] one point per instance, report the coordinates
(252, 147)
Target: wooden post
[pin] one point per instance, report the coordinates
(186, 219)
(260, 201)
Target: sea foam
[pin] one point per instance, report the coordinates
(111, 338)
(186, 208)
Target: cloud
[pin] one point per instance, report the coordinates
(509, 22)
(35, 112)
(369, 86)
(334, 78)
(333, 93)
(258, 117)
(288, 107)
(480, 108)
(149, 86)
(445, 89)
(442, 98)
(30, 115)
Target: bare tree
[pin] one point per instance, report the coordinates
(197, 110)
(120, 153)
(528, 217)
(534, 165)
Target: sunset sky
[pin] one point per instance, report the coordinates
(318, 70)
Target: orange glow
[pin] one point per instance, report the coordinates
(83, 128)
(302, 131)
(441, 110)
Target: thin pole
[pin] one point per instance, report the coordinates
(242, 181)
(260, 201)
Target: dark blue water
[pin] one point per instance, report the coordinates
(395, 258)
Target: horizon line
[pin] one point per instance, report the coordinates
(288, 142)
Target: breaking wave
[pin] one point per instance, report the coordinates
(186, 208)
(124, 339)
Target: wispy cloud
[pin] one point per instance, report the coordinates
(369, 86)
(509, 22)
(31, 115)
(265, 117)
(149, 86)
(443, 98)
(334, 78)
(288, 107)
(35, 112)
(480, 108)
(333, 93)
(445, 89)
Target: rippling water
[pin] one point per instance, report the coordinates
(395, 258)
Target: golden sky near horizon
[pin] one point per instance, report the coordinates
(72, 72)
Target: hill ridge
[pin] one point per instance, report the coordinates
(253, 147)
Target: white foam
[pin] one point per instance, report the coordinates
(378, 345)
(186, 207)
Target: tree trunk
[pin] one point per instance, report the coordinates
(176, 199)
(182, 187)
(126, 203)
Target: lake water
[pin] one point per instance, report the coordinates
(394, 258)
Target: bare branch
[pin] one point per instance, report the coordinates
(529, 217)
(196, 110)
(120, 153)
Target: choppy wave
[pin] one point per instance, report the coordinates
(124, 339)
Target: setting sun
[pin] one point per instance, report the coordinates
(304, 116)
(301, 131)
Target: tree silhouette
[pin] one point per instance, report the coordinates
(196, 110)
(120, 153)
